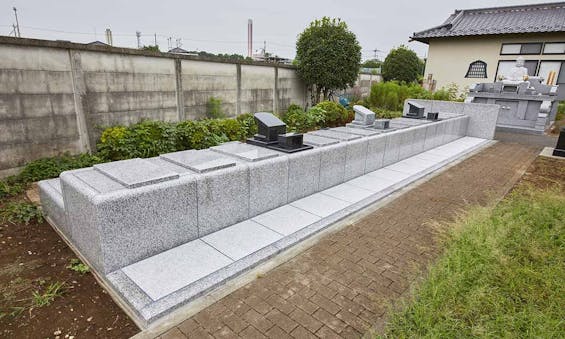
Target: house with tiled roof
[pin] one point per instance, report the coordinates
(479, 45)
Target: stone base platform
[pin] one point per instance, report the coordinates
(154, 287)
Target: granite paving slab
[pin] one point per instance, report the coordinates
(357, 131)
(348, 192)
(320, 204)
(242, 239)
(135, 172)
(200, 161)
(372, 183)
(388, 175)
(97, 180)
(318, 141)
(335, 135)
(245, 152)
(166, 272)
(287, 219)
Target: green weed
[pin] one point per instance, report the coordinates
(20, 212)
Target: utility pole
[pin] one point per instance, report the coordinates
(155, 39)
(17, 23)
(138, 35)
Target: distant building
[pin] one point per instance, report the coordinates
(478, 45)
(178, 50)
(97, 43)
(267, 57)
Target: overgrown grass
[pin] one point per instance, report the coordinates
(46, 297)
(502, 275)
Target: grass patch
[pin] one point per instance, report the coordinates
(20, 212)
(501, 276)
(78, 266)
(46, 297)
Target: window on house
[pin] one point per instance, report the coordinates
(477, 69)
(546, 67)
(526, 48)
(554, 48)
(504, 67)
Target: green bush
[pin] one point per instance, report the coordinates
(214, 109)
(335, 114)
(20, 212)
(248, 124)
(303, 121)
(46, 168)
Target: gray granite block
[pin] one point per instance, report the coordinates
(356, 158)
(135, 172)
(482, 120)
(447, 107)
(411, 122)
(333, 165)
(419, 140)
(396, 125)
(245, 152)
(320, 204)
(304, 173)
(335, 135)
(120, 227)
(392, 148)
(286, 219)
(268, 184)
(172, 270)
(52, 204)
(375, 152)
(431, 136)
(318, 141)
(356, 131)
(388, 175)
(242, 239)
(405, 144)
(200, 161)
(371, 183)
(223, 198)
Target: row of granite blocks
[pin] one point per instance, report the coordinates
(121, 212)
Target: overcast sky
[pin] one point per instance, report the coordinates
(221, 26)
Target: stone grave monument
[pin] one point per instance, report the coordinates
(559, 150)
(272, 134)
(415, 110)
(364, 117)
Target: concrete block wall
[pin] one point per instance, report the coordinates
(54, 94)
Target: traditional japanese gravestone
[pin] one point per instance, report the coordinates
(364, 117)
(559, 150)
(415, 110)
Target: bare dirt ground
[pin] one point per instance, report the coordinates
(33, 257)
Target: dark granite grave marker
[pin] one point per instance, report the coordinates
(415, 111)
(272, 134)
(434, 116)
(559, 150)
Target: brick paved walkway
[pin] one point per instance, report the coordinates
(341, 286)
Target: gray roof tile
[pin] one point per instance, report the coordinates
(549, 17)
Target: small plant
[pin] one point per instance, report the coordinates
(20, 212)
(52, 291)
(214, 108)
(78, 266)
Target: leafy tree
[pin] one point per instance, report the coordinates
(372, 63)
(327, 56)
(402, 64)
(151, 48)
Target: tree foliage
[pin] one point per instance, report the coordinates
(372, 63)
(402, 64)
(328, 57)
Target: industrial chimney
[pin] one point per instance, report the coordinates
(109, 37)
(250, 38)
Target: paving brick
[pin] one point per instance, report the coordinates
(258, 321)
(306, 320)
(251, 333)
(280, 304)
(282, 320)
(302, 333)
(277, 333)
(353, 320)
(209, 321)
(233, 321)
(303, 303)
(173, 333)
(329, 320)
(326, 332)
(325, 303)
(258, 304)
(225, 332)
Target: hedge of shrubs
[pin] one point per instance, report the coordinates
(150, 138)
(391, 95)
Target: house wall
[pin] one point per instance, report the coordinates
(449, 58)
(55, 95)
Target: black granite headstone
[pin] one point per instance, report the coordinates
(415, 111)
(434, 116)
(272, 134)
(559, 150)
